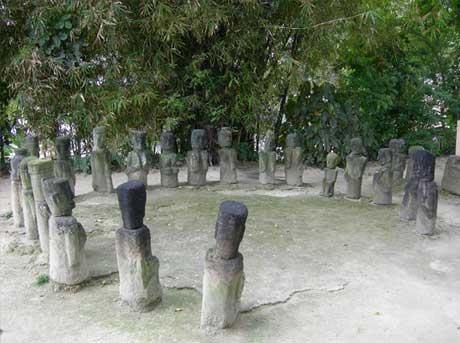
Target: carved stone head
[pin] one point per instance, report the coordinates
(424, 165)
(269, 141)
(199, 139)
(230, 227)
(59, 196)
(357, 147)
(99, 137)
(398, 146)
(332, 160)
(63, 148)
(19, 155)
(385, 157)
(293, 140)
(132, 197)
(168, 142)
(31, 144)
(225, 137)
(138, 139)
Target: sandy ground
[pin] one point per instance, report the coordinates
(317, 270)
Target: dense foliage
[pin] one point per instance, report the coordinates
(331, 69)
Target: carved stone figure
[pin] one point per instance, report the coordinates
(354, 170)
(31, 144)
(100, 163)
(451, 178)
(16, 187)
(398, 147)
(140, 285)
(62, 164)
(168, 160)
(28, 202)
(67, 237)
(197, 159)
(427, 197)
(223, 279)
(383, 178)
(410, 160)
(138, 161)
(267, 159)
(423, 169)
(228, 158)
(294, 160)
(330, 175)
(39, 170)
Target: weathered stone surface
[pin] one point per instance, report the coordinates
(383, 178)
(230, 227)
(67, 258)
(38, 170)
(228, 157)
(410, 160)
(31, 145)
(168, 160)
(451, 177)
(140, 285)
(330, 175)
(197, 159)
(294, 160)
(16, 187)
(267, 159)
(62, 164)
(223, 284)
(28, 202)
(100, 163)
(59, 196)
(423, 170)
(354, 170)
(138, 161)
(398, 147)
(132, 197)
(427, 199)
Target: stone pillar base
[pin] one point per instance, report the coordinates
(16, 203)
(451, 177)
(140, 285)
(354, 188)
(43, 215)
(170, 181)
(67, 256)
(409, 203)
(30, 219)
(197, 179)
(139, 176)
(223, 284)
(294, 177)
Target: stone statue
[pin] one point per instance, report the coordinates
(383, 178)
(28, 202)
(354, 170)
(451, 178)
(31, 144)
(398, 147)
(100, 163)
(197, 159)
(138, 161)
(267, 159)
(140, 285)
(62, 164)
(423, 168)
(227, 156)
(294, 160)
(223, 279)
(330, 175)
(410, 160)
(427, 193)
(67, 237)
(16, 187)
(168, 160)
(40, 169)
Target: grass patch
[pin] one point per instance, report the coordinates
(42, 279)
(7, 215)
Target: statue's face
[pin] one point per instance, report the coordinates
(62, 148)
(332, 160)
(138, 139)
(168, 142)
(356, 146)
(199, 139)
(397, 145)
(293, 140)
(59, 196)
(99, 138)
(225, 137)
(385, 156)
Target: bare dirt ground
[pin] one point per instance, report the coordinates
(317, 270)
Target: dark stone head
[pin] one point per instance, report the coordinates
(199, 139)
(224, 137)
(132, 197)
(31, 144)
(59, 196)
(138, 139)
(230, 226)
(293, 140)
(398, 146)
(63, 147)
(168, 142)
(413, 149)
(385, 156)
(424, 165)
(19, 155)
(357, 147)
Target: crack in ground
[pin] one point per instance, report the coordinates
(293, 294)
